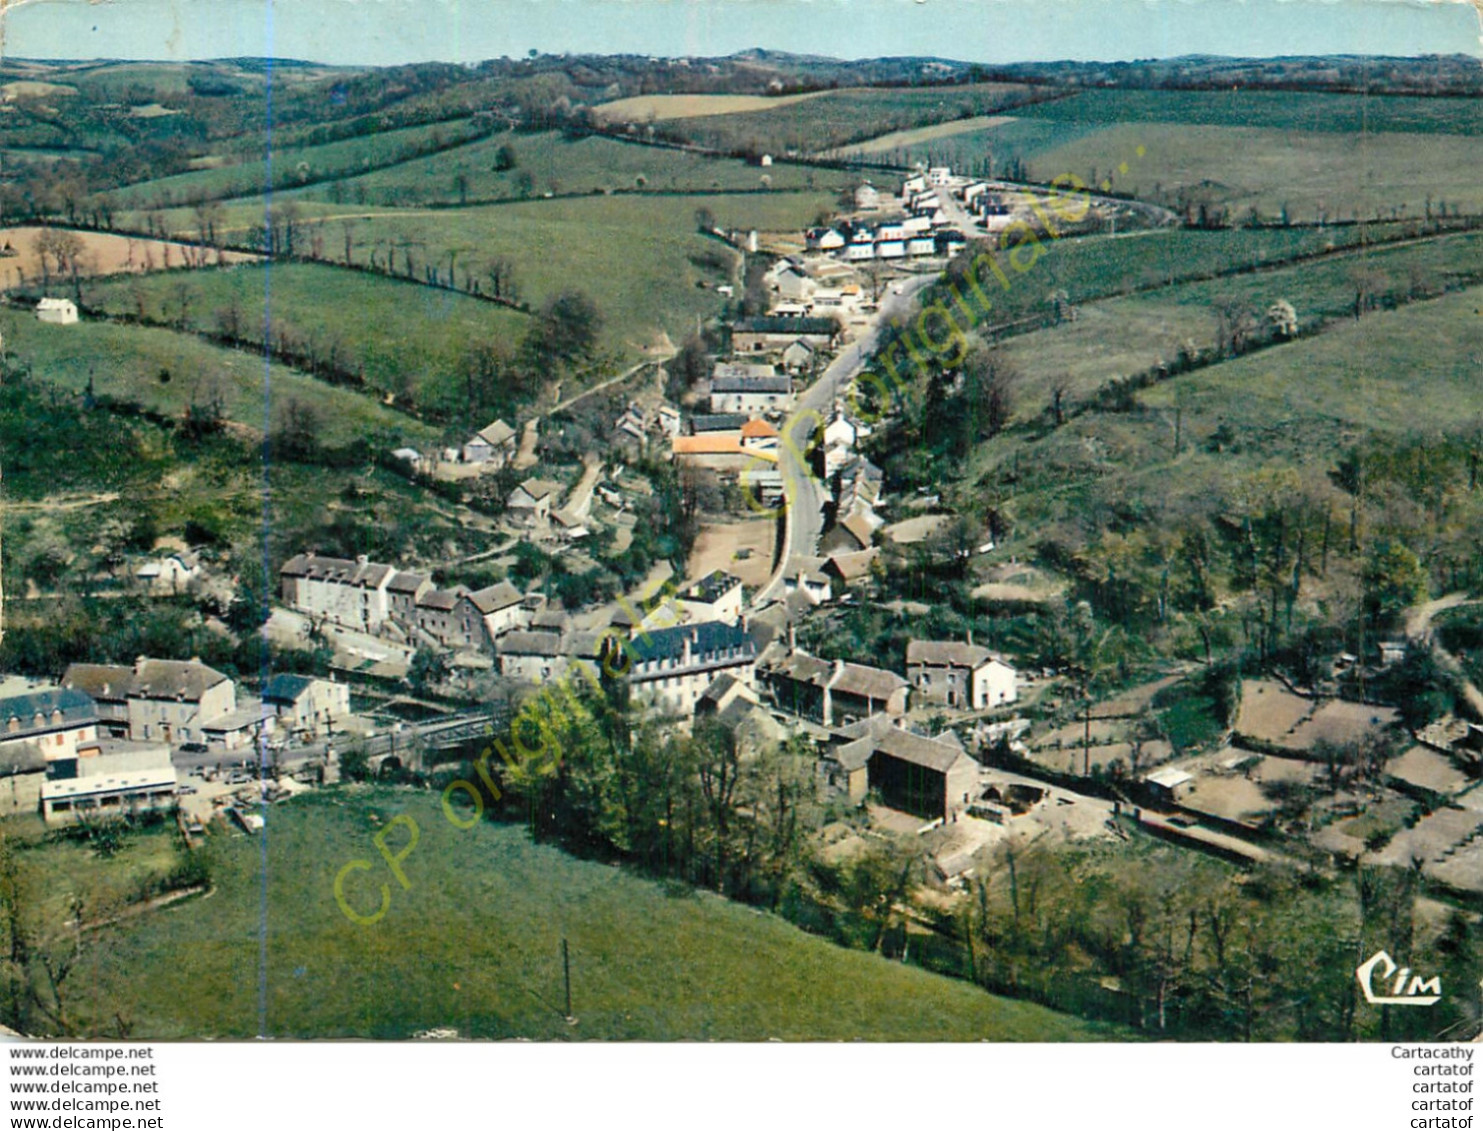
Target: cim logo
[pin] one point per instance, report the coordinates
(1380, 967)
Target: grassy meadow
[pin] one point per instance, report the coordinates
(474, 944)
(165, 371)
(399, 335)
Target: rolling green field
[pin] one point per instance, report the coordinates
(1125, 335)
(560, 165)
(1278, 110)
(1290, 410)
(843, 117)
(474, 944)
(392, 331)
(1319, 174)
(291, 167)
(125, 362)
(636, 257)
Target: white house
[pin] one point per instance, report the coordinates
(306, 706)
(751, 395)
(171, 573)
(823, 239)
(793, 284)
(940, 176)
(671, 668)
(532, 500)
(867, 198)
(52, 723)
(494, 444)
(58, 311)
(959, 675)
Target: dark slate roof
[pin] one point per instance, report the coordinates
(76, 707)
(366, 575)
(712, 587)
(751, 384)
(404, 581)
(776, 325)
(286, 688)
(716, 422)
(705, 639)
(21, 758)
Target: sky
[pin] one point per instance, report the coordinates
(991, 31)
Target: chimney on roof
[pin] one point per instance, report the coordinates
(838, 669)
(361, 559)
(970, 638)
(792, 637)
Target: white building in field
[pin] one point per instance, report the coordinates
(57, 311)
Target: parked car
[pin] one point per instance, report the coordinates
(185, 789)
(193, 748)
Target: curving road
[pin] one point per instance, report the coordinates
(805, 493)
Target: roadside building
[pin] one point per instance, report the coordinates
(532, 501)
(928, 777)
(671, 668)
(305, 706)
(751, 396)
(764, 334)
(117, 778)
(53, 722)
(174, 701)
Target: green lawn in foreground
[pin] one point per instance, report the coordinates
(474, 944)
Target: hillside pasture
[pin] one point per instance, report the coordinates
(402, 337)
(562, 165)
(293, 166)
(165, 371)
(1316, 175)
(474, 944)
(843, 117)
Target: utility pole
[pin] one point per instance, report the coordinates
(566, 971)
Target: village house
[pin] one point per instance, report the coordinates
(717, 451)
(848, 569)
(487, 614)
(57, 311)
(171, 573)
(718, 596)
(169, 701)
(437, 616)
(306, 707)
(531, 502)
(932, 778)
(751, 395)
(851, 534)
(349, 593)
(867, 198)
(966, 676)
(22, 772)
(671, 668)
(493, 444)
(793, 284)
(832, 693)
(764, 334)
(758, 435)
(53, 723)
(107, 685)
(823, 239)
(114, 779)
(402, 593)
(799, 356)
(806, 576)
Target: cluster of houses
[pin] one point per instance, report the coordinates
(920, 235)
(100, 743)
(406, 606)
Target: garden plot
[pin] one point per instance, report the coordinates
(1436, 838)
(1340, 722)
(1428, 769)
(1269, 711)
